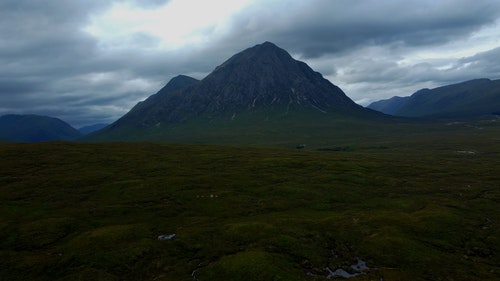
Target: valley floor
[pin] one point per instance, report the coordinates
(421, 208)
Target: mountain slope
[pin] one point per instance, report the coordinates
(389, 106)
(255, 92)
(151, 111)
(474, 98)
(266, 75)
(91, 128)
(35, 128)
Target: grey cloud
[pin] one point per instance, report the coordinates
(147, 3)
(318, 27)
(484, 63)
(45, 57)
(51, 66)
(370, 79)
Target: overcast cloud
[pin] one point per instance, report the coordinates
(90, 61)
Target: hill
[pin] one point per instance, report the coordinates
(151, 111)
(91, 128)
(389, 106)
(255, 92)
(470, 99)
(35, 128)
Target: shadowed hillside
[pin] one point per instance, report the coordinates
(470, 99)
(35, 128)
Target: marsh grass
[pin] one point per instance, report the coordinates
(412, 208)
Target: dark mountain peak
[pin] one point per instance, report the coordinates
(266, 75)
(263, 79)
(182, 79)
(259, 56)
(268, 44)
(268, 48)
(177, 83)
(149, 111)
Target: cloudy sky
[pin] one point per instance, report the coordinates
(90, 61)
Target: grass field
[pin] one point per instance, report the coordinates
(416, 207)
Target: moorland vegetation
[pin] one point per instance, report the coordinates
(416, 207)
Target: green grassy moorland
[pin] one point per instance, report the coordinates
(419, 208)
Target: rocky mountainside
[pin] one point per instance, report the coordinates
(35, 128)
(266, 75)
(261, 80)
(262, 76)
(470, 99)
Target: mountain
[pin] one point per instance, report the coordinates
(152, 110)
(35, 128)
(264, 76)
(91, 128)
(474, 98)
(389, 106)
(246, 95)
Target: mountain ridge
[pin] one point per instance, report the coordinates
(468, 99)
(147, 111)
(85, 130)
(35, 128)
(389, 106)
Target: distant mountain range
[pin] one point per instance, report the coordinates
(259, 89)
(35, 128)
(260, 95)
(470, 99)
(389, 106)
(91, 128)
(38, 128)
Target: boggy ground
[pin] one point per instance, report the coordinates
(415, 209)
